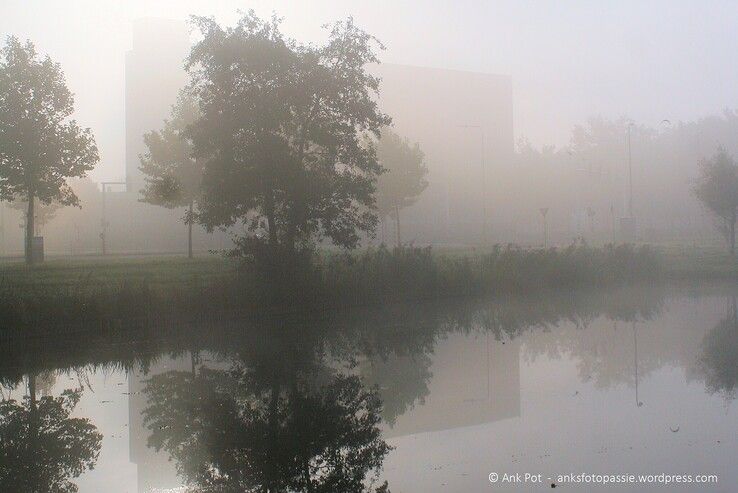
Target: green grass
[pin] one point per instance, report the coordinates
(95, 271)
(679, 262)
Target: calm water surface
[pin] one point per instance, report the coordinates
(426, 398)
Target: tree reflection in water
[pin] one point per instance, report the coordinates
(41, 446)
(719, 361)
(277, 419)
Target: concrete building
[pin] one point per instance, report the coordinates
(154, 76)
(463, 122)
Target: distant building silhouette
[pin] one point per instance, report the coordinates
(460, 119)
(476, 380)
(154, 75)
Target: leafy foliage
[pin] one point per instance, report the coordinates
(717, 189)
(39, 146)
(173, 174)
(43, 212)
(717, 363)
(284, 131)
(42, 447)
(404, 178)
(274, 430)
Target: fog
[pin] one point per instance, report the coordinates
(348, 246)
(549, 77)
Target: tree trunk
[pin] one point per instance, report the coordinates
(33, 425)
(732, 236)
(397, 221)
(189, 232)
(29, 229)
(272, 473)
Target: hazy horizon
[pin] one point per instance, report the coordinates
(567, 60)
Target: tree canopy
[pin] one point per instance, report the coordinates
(404, 177)
(285, 131)
(42, 447)
(717, 188)
(40, 146)
(172, 174)
(280, 418)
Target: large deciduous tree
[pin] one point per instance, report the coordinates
(404, 178)
(40, 146)
(717, 188)
(286, 133)
(173, 175)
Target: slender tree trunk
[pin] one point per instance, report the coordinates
(33, 431)
(29, 229)
(397, 220)
(271, 479)
(189, 232)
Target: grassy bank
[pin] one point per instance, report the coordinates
(675, 262)
(113, 271)
(79, 293)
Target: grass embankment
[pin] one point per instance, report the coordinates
(79, 293)
(693, 263)
(509, 267)
(91, 272)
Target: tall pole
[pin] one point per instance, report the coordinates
(544, 212)
(630, 175)
(2, 228)
(485, 236)
(635, 358)
(103, 222)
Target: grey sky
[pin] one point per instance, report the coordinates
(568, 59)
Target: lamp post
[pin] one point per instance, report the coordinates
(544, 212)
(481, 128)
(635, 358)
(2, 228)
(630, 174)
(627, 223)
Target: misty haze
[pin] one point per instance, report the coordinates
(368, 246)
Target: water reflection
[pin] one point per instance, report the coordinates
(280, 417)
(42, 447)
(312, 402)
(718, 363)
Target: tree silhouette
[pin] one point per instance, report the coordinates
(284, 131)
(173, 174)
(267, 425)
(719, 361)
(717, 189)
(39, 145)
(404, 178)
(41, 446)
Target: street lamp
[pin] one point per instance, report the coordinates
(544, 211)
(2, 228)
(481, 128)
(627, 224)
(630, 174)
